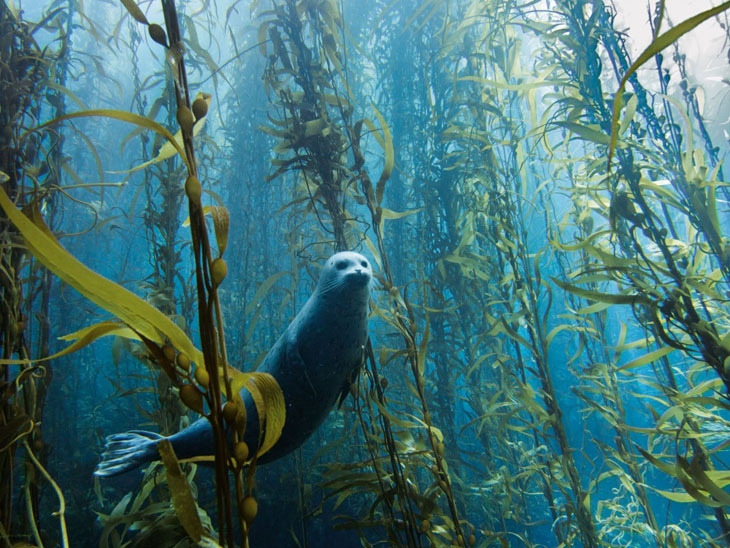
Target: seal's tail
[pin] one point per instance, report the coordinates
(126, 451)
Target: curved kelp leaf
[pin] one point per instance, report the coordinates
(182, 498)
(86, 336)
(587, 133)
(269, 401)
(661, 42)
(122, 303)
(647, 358)
(130, 117)
(609, 298)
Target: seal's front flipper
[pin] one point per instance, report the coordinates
(124, 452)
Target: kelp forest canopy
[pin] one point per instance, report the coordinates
(539, 185)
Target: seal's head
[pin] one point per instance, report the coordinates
(347, 271)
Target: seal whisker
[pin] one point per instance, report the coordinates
(327, 288)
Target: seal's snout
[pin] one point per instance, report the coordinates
(359, 277)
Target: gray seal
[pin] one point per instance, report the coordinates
(314, 362)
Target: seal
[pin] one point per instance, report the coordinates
(314, 361)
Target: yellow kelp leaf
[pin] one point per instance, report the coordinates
(423, 347)
(174, 145)
(569, 327)
(669, 469)
(434, 430)
(580, 244)
(124, 116)
(647, 358)
(269, 401)
(603, 297)
(316, 127)
(262, 41)
(221, 221)
(275, 408)
(373, 250)
(85, 337)
(660, 42)
(139, 315)
(631, 105)
(182, 499)
(676, 496)
(387, 143)
(539, 82)
(70, 94)
(391, 215)
(703, 481)
(587, 133)
(207, 210)
(592, 309)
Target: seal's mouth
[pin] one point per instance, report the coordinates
(359, 278)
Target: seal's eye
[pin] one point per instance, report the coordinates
(364, 264)
(341, 265)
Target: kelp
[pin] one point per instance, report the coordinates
(307, 61)
(167, 344)
(25, 78)
(657, 45)
(520, 304)
(548, 357)
(664, 277)
(151, 515)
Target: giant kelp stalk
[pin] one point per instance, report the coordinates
(214, 378)
(23, 76)
(207, 277)
(164, 200)
(308, 79)
(426, 185)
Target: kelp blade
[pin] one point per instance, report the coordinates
(122, 303)
(269, 401)
(182, 498)
(84, 337)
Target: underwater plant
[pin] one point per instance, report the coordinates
(545, 209)
(25, 77)
(142, 322)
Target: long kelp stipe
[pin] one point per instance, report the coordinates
(542, 196)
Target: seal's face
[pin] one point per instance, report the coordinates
(345, 270)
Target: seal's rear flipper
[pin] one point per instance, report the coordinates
(126, 451)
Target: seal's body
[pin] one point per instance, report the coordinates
(313, 361)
